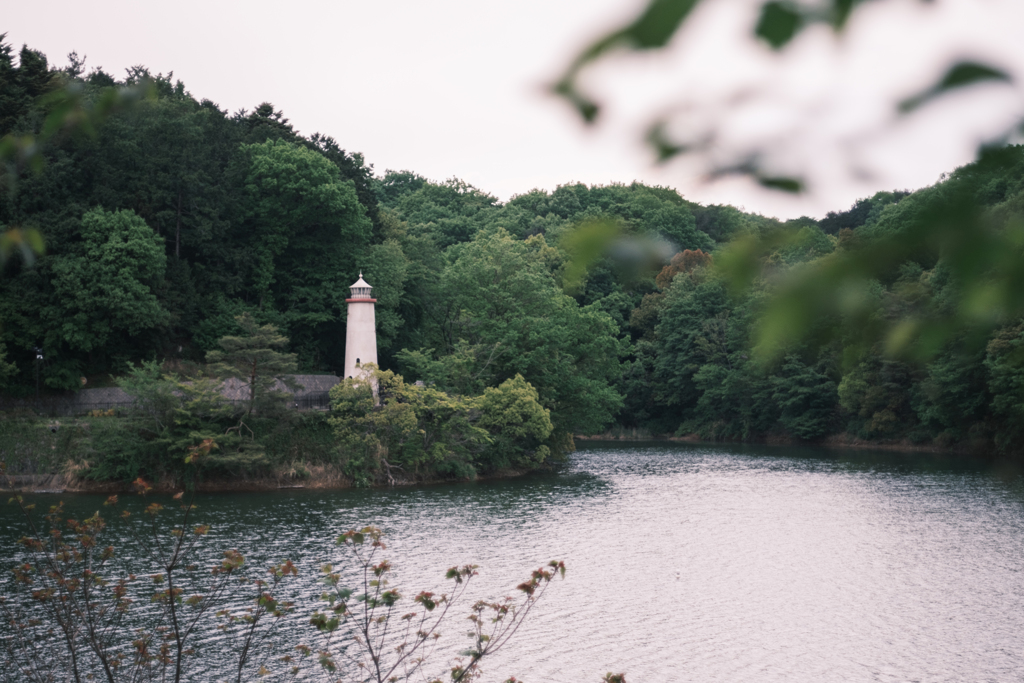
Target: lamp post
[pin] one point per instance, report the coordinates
(39, 361)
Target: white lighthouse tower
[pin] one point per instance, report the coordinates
(361, 329)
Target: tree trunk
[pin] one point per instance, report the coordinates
(177, 230)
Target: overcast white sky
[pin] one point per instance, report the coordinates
(456, 87)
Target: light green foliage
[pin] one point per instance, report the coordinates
(409, 432)
(808, 243)
(449, 213)
(181, 414)
(153, 395)
(199, 413)
(174, 416)
(406, 432)
(507, 307)
(461, 371)
(105, 285)
(519, 426)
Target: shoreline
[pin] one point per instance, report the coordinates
(842, 440)
(321, 478)
(330, 478)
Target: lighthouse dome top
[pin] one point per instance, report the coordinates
(361, 288)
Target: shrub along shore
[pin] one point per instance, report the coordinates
(75, 454)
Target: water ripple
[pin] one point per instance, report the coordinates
(695, 563)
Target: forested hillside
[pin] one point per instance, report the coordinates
(177, 216)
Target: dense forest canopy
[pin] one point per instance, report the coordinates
(177, 218)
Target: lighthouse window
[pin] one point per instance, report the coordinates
(357, 361)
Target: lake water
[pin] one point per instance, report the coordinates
(689, 562)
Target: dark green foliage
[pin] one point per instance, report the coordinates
(806, 399)
(105, 285)
(175, 220)
(1005, 364)
(876, 393)
(862, 212)
(779, 23)
(20, 85)
(691, 333)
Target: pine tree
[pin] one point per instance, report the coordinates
(253, 359)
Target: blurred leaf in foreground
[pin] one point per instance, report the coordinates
(632, 255)
(959, 75)
(980, 248)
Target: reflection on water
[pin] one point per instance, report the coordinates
(695, 563)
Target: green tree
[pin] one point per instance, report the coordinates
(404, 432)
(1003, 360)
(104, 287)
(732, 402)
(175, 415)
(952, 398)
(501, 313)
(449, 213)
(254, 358)
(876, 393)
(806, 398)
(166, 159)
(305, 229)
(518, 424)
(107, 284)
(387, 267)
(691, 332)
(981, 247)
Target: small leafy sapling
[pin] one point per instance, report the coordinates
(494, 623)
(79, 616)
(66, 570)
(391, 645)
(250, 619)
(397, 645)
